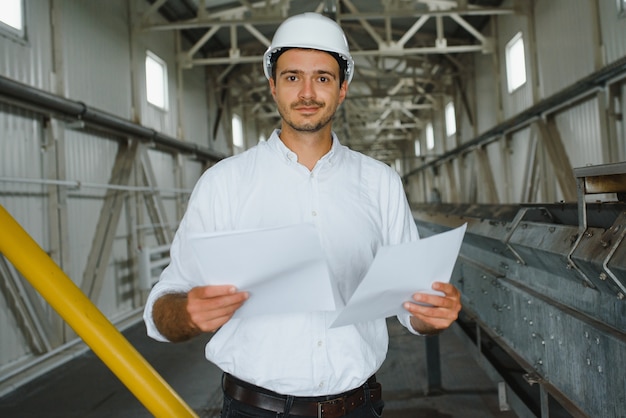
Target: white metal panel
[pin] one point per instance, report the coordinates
(565, 42)
(580, 131)
(194, 108)
(96, 54)
(613, 27)
(486, 114)
(29, 60)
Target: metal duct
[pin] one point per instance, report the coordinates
(51, 103)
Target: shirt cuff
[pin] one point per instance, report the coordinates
(405, 320)
(156, 292)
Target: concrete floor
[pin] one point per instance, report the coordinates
(85, 388)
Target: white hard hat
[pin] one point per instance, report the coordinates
(310, 31)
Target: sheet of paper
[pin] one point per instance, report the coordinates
(398, 272)
(283, 269)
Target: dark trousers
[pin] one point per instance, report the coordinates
(235, 409)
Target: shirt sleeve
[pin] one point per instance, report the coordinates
(402, 228)
(182, 274)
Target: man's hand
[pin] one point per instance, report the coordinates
(441, 313)
(210, 307)
(180, 317)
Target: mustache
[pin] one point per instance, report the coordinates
(307, 103)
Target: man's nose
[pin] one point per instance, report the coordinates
(307, 89)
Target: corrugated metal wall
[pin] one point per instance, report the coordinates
(581, 133)
(99, 60)
(566, 45)
(612, 29)
(487, 92)
(30, 61)
(572, 40)
(94, 37)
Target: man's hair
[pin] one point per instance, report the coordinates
(343, 64)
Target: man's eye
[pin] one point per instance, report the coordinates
(291, 78)
(324, 79)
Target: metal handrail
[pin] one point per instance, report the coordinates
(88, 322)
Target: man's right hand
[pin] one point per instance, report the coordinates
(179, 316)
(210, 307)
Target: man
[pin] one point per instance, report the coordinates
(295, 365)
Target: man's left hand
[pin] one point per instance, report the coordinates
(432, 314)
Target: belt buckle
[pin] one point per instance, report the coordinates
(320, 406)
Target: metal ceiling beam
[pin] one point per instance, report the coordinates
(392, 47)
(237, 17)
(227, 18)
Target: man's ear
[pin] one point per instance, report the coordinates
(272, 87)
(343, 91)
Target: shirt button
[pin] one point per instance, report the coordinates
(321, 385)
(314, 213)
(319, 343)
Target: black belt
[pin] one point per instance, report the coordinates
(333, 406)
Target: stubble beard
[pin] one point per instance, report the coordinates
(306, 126)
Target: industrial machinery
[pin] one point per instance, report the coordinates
(544, 295)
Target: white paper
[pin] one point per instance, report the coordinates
(283, 269)
(398, 272)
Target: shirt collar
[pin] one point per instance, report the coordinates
(277, 145)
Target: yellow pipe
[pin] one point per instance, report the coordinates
(88, 322)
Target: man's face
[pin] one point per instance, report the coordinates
(306, 89)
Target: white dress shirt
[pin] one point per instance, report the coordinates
(357, 205)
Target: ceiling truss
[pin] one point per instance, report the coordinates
(406, 54)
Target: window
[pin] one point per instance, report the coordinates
(237, 133)
(621, 8)
(450, 119)
(515, 62)
(12, 17)
(418, 148)
(430, 136)
(156, 81)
